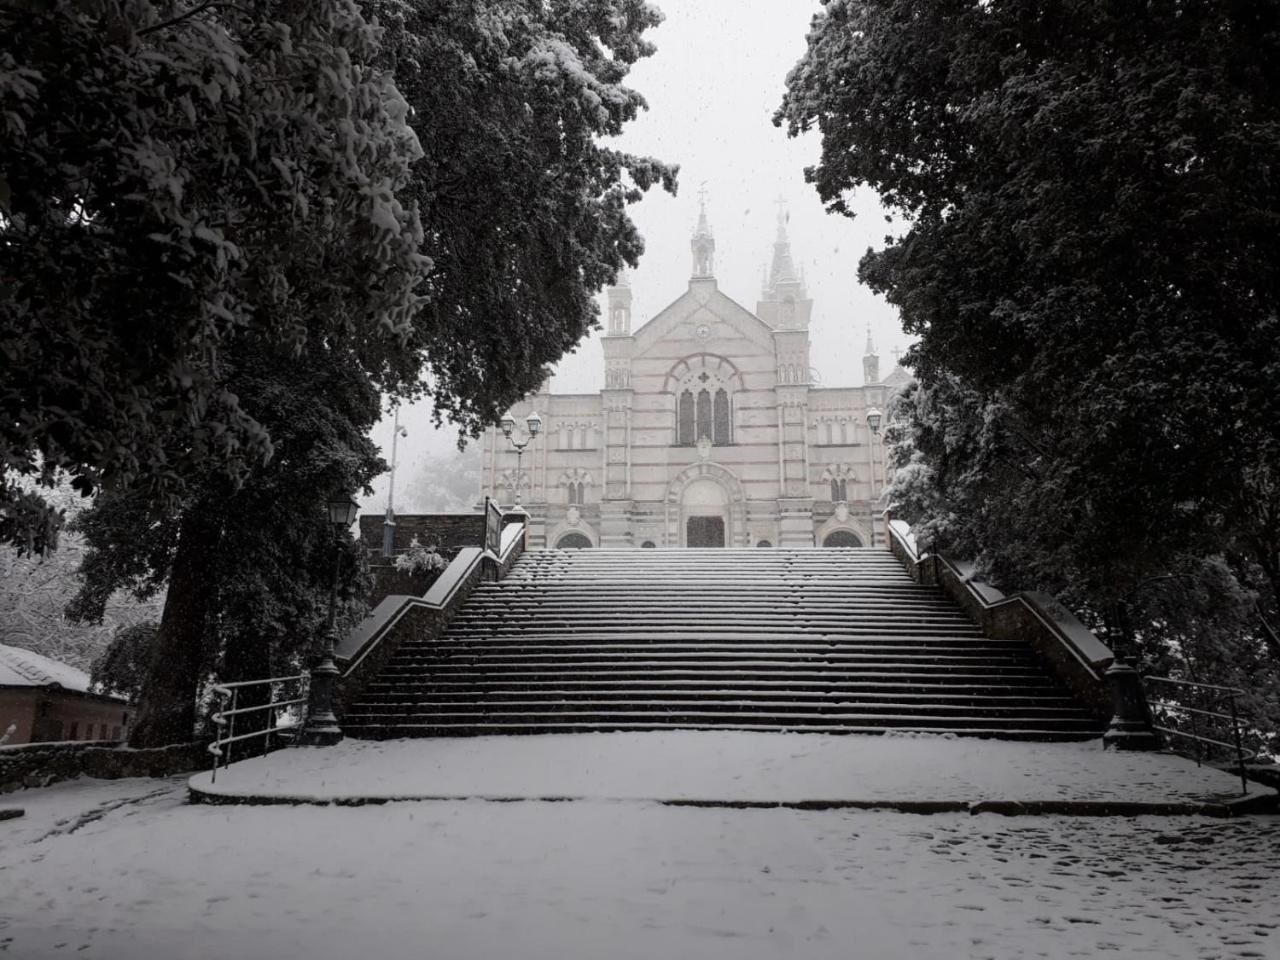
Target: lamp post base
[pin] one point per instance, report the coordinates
(321, 728)
(1130, 727)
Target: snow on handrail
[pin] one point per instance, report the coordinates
(226, 718)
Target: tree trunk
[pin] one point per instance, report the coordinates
(167, 707)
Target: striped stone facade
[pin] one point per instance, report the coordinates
(708, 429)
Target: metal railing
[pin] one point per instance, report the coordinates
(224, 718)
(1202, 716)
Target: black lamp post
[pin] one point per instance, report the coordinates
(389, 524)
(534, 422)
(873, 423)
(321, 729)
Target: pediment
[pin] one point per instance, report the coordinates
(703, 305)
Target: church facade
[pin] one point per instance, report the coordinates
(709, 430)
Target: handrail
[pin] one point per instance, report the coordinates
(1233, 718)
(367, 635)
(1203, 686)
(227, 717)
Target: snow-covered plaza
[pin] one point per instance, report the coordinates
(129, 869)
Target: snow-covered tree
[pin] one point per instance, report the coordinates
(35, 591)
(524, 219)
(524, 208)
(173, 177)
(1089, 258)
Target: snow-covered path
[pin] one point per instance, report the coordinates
(726, 765)
(158, 880)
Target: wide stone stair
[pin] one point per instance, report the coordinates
(830, 640)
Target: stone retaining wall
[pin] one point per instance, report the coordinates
(40, 764)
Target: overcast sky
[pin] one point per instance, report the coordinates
(712, 88)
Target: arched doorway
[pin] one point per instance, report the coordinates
(842, 538)
(704, 505)
(764, 543)
(573, 541)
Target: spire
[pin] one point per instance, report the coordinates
(783, 269)
(703, 244)
(870, 362)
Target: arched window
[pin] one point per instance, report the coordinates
(582, 437)
(573, 493)
(842, 538)
(704, 415)
(647, 545)
(831, 431)
(581, 490)
(564, 437)
(844, 432)
(844, 489)
(722, 421)
(686, 436)
(835, 490)
(764, 543)
(573, 541)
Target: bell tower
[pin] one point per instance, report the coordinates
(784, 302)
(620, 308)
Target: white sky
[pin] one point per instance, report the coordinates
(712, 87)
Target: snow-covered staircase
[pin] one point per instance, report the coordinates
(830, 640)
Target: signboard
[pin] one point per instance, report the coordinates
(492, 526)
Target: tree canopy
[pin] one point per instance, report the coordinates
(1087, 252)
(236, 226)
(524, 207)
(173, 177)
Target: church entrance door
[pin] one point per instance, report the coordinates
(705, 532)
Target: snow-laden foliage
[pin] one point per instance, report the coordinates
(174, 176)
(239, 190)
(1089, 260)
(420, 558)
(524, 208)
(35, 590)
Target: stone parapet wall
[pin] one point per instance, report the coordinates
(40, 764)
(423, 618)
(1069, 648)
(450, 531)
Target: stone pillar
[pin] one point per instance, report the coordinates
(1130, 727)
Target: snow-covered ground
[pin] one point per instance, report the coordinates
(125, 871)
(729, 765)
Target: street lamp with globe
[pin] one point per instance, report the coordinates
(534, 423)
(321, 728)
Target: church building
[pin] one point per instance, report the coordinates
(709, 430)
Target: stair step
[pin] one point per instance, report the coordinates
(380, 703)
(835, 641)
(699, 713)
(377, 731)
